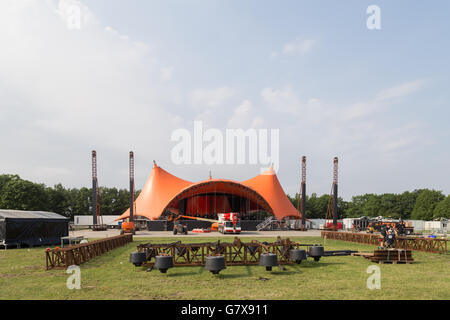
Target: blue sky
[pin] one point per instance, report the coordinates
(137, 70)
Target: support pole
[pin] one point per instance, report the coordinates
(94, 188)
(131, 186)
(303, 192)
(335, 191)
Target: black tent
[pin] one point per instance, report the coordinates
(31, 228)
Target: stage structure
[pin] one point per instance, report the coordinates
(164, 194)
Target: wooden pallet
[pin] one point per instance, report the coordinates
(394, 262)
(385, 256)
(366, 255)
(392, 256)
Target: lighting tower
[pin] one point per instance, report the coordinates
(131, 185)
(335, 191)
(94, 188)
(303, 192)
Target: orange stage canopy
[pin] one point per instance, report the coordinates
(163, 191)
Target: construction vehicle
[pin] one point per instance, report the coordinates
(128, 227)
(229, 223)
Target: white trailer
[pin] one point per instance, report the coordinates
(86, 221)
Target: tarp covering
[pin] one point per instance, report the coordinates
(268, 186)
(32, 227)
(163, 191)
(159, 189)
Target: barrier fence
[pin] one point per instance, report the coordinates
(80, 253)
(410, 243)
(236, 253)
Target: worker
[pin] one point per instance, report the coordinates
(389, 238)
(383, 231)
(400, 228)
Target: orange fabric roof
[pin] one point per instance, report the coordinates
(268, 186)
(159, 189)
(162, 188)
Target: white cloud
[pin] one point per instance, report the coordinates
(211, 105)
(401, 90)
(166, 73)
(349, 129)
(211, 98)
(66, 91)
(244, 117)
(285, 100)
(299, 46)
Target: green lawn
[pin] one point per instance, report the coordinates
(111, 276)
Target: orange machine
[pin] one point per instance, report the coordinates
(128, 227)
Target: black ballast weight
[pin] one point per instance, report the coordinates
(297, 255)
(163, 263)
(137, 258)
(316, 252)
(268, 260)
(215, 263)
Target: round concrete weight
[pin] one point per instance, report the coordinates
(268, 260)
(298, 255)
(163, 263)
(215, 264)
(316, 252)
(137, 258)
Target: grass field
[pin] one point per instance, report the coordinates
(111, 276)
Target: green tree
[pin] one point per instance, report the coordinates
(79, 201)
(442, 209)
(371, 207)
(4, 178)
(406, 202)
(425, 204)
(21, 194)
(58, 200)
(356, 206)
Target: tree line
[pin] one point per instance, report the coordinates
(19, 194)
(422, 204)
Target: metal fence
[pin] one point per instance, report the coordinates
(411, 243)
(80, 253)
